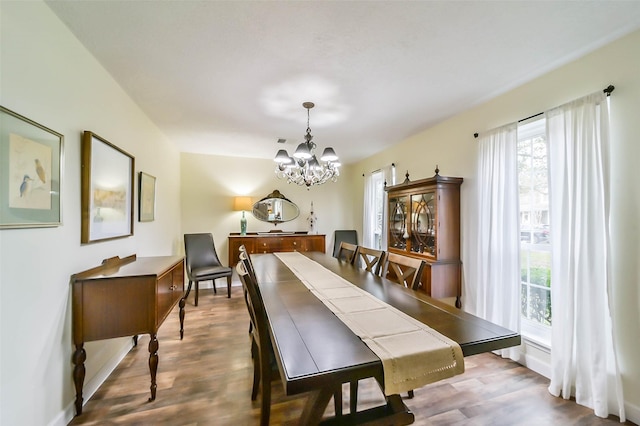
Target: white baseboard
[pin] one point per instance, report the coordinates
(90, 387)
(633, 412)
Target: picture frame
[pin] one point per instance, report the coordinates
(31, 165)
(106, 187)
(146, 197)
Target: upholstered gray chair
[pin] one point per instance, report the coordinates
(203, 263)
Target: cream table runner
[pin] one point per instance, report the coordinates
(412, 353)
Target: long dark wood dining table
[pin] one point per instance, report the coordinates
(316, 352)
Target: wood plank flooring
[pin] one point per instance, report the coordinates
(206, 379)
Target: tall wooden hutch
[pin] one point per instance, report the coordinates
(424, 222)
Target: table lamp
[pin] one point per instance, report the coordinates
(242, 204)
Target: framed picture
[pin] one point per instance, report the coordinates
(31, 157)
(146, 197)
(106, 190)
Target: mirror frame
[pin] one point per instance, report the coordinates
(275, 195)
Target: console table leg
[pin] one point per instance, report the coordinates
(181, 304)
(153, 364)
(79, 357)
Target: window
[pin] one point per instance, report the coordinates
(373, 227)
(535, 247)
(377, 180)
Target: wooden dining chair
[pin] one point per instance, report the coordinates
(347, 235)
(370, 259)
(347, 252)
(264, 368)
(261, 349)
(404, 270)
(244, 255)
(203, 264)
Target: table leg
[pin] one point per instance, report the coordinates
(153, 364)
(79, 357)
(315, 406)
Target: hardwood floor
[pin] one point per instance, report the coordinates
(206, 379)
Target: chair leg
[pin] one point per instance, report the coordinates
(411, 394)
(213, 283)
(229, 286)
(197, 285)
(256, 370)
(265, 378)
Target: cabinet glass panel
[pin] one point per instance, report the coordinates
(398, 222)
(423, 223)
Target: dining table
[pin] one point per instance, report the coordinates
(316, 352)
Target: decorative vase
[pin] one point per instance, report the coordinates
(243, 225)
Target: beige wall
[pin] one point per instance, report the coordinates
(209, 183)
(451, 145)
(48, 76)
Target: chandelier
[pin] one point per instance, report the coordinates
(304, 168)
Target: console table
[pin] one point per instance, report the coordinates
(124, 297)
(274, 242)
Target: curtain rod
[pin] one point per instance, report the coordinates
(377, 170)
(607, 91)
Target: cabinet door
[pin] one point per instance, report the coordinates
(423, 224)
(398, 222)
(165, 296)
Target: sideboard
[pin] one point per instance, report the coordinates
(124, 297)
(274, 242)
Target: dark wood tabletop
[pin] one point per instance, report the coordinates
(316, 351)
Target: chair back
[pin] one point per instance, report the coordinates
(404, 270)
(244, 255)
(348, 236)
(200, 251)
(261, 343)
(347, 252)
(370, 259)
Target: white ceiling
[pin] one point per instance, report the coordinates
(229, 77)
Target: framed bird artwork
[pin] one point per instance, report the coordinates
(31, 157)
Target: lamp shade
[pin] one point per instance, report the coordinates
(242, 203)
(329, 155)
(282, 157)
(302, 151)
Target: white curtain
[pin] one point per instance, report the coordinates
(583, 361)
(374, 190)
(369, 219)
(497, 260)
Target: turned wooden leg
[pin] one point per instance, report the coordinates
(181, 304)
(153, 364)
(79, 357)
(229, 286)
(186, 295)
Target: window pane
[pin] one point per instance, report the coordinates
(535, 250)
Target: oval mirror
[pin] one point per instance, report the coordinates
(275, 208)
